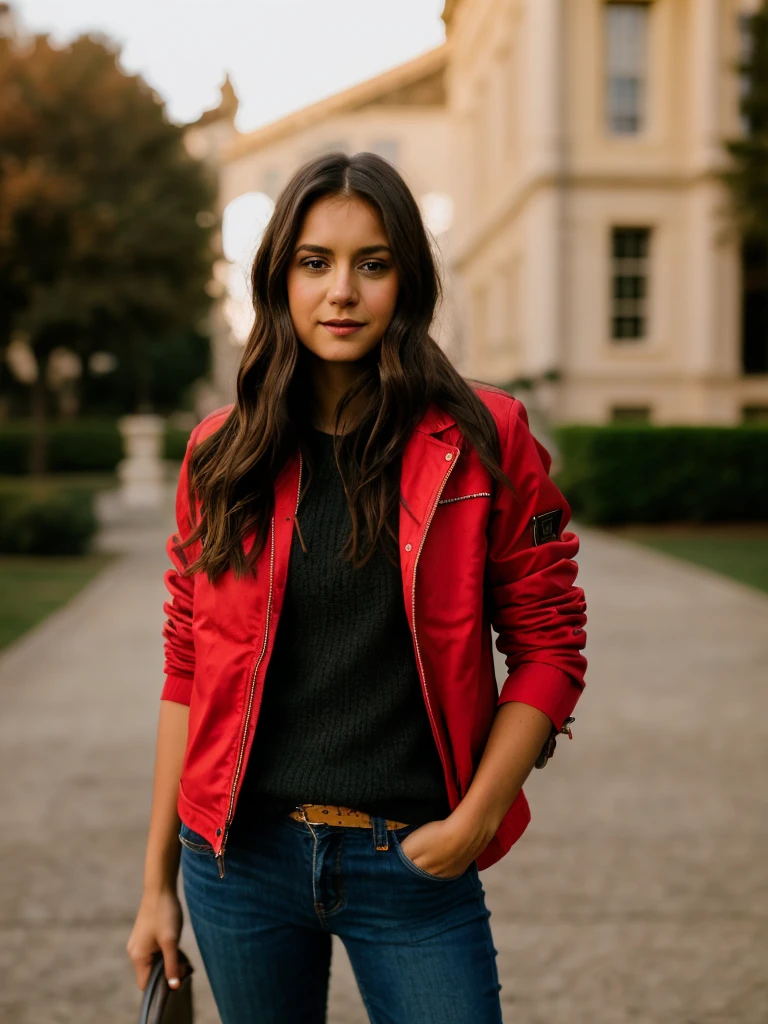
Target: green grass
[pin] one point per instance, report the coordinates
(71, 481)
(31, 587)
(736, 550)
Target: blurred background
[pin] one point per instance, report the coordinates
(594, 178)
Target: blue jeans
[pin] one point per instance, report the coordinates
(420, 945)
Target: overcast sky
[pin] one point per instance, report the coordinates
(281, 54)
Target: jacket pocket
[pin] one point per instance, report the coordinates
(465, 497)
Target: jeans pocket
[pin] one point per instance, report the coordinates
(414, 868)
(193, 840)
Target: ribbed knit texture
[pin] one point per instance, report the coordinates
(342, 718)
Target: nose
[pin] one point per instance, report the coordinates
(341, 288)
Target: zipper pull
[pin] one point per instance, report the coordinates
(298, 530)
(220, 862)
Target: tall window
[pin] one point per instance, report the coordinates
(626, 62)
(629, 283)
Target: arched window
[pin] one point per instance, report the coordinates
(243, 225)
(437, 212)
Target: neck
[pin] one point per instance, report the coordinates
(329, 382)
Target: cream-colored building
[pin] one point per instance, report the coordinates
(579, 142)
(587, 229)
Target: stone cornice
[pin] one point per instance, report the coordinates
(510, 201)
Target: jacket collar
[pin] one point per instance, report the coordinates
(434, 420)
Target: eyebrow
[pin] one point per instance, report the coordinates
(323, 250)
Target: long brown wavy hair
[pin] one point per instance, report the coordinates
(232, 472)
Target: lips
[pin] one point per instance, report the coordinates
(341, 328)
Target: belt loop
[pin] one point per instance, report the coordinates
(379, 829)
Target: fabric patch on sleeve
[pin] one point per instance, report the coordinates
(546, 526)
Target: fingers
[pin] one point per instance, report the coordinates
(156, 930)
(142, 965)
(171, 960)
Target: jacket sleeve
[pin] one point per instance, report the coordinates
(179, 665)
(535, 608)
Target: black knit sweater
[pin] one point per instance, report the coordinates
(342, 717)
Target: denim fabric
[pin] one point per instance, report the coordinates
(420, 944)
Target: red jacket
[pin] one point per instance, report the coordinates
(479, 561)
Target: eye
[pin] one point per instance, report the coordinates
(376, 264)
(315, 259)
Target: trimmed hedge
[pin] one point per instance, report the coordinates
(82, 446)
(640, 473)
(618, 473)
(175, 443)
(46, 520)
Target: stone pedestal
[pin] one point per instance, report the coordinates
(141, 472)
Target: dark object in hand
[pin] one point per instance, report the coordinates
(161, 1003)
(549, 747)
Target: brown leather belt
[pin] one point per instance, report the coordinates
(330, 814)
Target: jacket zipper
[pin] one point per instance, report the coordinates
(238, 768)
(220, 854)
(296, 510)
(413, 617)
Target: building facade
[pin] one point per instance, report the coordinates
(588, 256)
(591, 238)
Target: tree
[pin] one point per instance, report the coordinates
(747, 181)
(106, 229)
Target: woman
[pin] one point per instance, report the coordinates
(332, 748)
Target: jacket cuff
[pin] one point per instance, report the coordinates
(545, 687)
(177, 689)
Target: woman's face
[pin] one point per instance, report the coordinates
(341, 269)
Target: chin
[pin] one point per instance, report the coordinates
(340, 351)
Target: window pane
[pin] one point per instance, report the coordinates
(626, 287)
(629, 282)
(626, 32)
